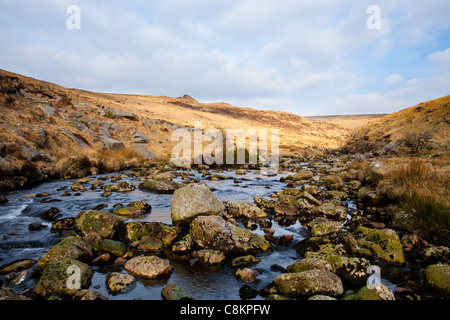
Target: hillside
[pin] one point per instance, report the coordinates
(424, 128)
(48, 131)
(354, 122)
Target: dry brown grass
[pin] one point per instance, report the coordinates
(423, 192)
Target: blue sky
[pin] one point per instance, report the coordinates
(305, 57)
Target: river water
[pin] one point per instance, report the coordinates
(201, 282)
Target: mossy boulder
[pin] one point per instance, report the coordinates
(70, 247)
(376, 291)
(192, 201)
(308, 283)
(437, 277)
(135, 231)
(103, 223)
(351, 268)
(322, 227)
(213, 232)
(385, 243)
(63, 278)
(238, 209)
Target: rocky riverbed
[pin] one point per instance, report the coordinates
(314, 230)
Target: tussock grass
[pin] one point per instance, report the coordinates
(423, 192)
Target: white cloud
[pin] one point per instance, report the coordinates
(440, 58)
(393, 78)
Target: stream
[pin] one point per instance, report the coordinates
(200, 281)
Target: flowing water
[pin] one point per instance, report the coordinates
(200, 281)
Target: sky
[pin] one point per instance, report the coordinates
(315, 57)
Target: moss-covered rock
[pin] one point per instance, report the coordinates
(308, 264)
(150, 244)
(63, 278)
(90, 295)
(437, 277)
(184, 245)
(174, 292)
(134, 209)
(208, 256)
(63, 224)
(385, 243)
(119, 282)
(243, 261)
(116, 248)
(238, 209)
(374, 292)
(213, 232)
(70, 247)
(331, 209)
(322, 227)
(352, 269)
(308, 283)
(101, 222)
(135, 231)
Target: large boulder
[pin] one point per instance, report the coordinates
(437, 277)
(63, 278)
(213, 232)
(385, 243)
(112, 144)
(192, 201)
(101, 222)
(375, 172)
(70, 247)
(148, 267)
(308, 283)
